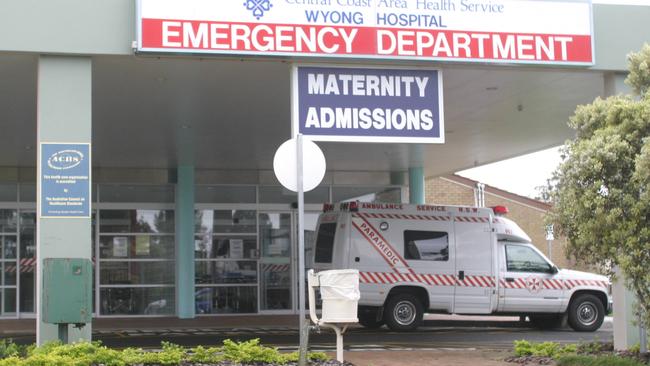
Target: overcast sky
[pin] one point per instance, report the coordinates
(520, 175)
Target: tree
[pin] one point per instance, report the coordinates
(601, 190)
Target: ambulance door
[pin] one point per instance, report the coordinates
(475, 283)
(529, 281)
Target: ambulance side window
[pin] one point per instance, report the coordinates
(325, 243)
(523, 259)
(426, 245)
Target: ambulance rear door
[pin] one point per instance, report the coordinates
(475, 249)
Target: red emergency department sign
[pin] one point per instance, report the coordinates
(496, 31)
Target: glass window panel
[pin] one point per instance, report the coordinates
(524, 259)
(223, 272)
(27, 192)
(225, 194)
(8, 220)
(276, 285)
(226, 300)
(137, 301)
(275, 234)
(9, 270)
(426, 245)
(279, 194)
(136, 246)
(27, 235)
(27, 293)
(10, 301)
(211, 247)
(325, 243)
(235, 221)
(136, 193)
(136, 221)
(8, 192)
(137, 273)
(368, 194)
(8, 247)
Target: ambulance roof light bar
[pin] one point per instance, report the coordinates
(500, 210)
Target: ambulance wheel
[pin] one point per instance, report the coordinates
(369, 320)
(403, 312)
(586, 313)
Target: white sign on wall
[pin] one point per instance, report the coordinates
(525, 31)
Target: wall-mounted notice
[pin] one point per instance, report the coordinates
(64, 189)
(494, 31)
(354, 104)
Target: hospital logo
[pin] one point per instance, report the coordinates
(534, 284)
(65, 159)
(258, 7)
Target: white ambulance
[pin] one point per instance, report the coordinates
(416, 259)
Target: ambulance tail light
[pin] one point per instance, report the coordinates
(500, 210)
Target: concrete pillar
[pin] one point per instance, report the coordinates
(626, 334)
(64, 103)
(416, 185)
(185, 242)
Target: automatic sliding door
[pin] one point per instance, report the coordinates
(275, 230)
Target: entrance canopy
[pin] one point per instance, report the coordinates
(232, 114)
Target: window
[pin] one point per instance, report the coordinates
(325, 243)
(524, 259)
(426, 245)
(225, 261)
(136, 262)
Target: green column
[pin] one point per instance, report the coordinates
(63, 114)
(416, 185)
(185, 242)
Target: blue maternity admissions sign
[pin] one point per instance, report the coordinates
(65, 180)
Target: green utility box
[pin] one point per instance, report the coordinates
(67, 291)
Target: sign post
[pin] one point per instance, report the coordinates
(289, 167)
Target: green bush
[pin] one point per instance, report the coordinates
(582, 360)
(250, 351)
(93, 353)
(545, 349)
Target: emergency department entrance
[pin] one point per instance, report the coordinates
(245, 247)
(186, 216)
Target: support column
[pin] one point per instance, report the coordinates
(64, 104)
(626, 334)
(185, 242)
(416, 185)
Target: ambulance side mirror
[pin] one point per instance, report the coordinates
(553, 270)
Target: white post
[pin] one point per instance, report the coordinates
(302, 359)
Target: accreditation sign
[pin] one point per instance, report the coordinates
(352, 104)
(486, 31)
(64, 180)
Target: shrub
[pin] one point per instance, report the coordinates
(582, 360)
(8, 348)
(545, 349)
(205, 355)
(250, 351)
(90, 354)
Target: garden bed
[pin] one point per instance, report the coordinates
(95, 354)
(583, 354)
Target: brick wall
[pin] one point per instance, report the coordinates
(530, 219)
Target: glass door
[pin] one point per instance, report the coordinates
(275, 264)
(8, 262)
